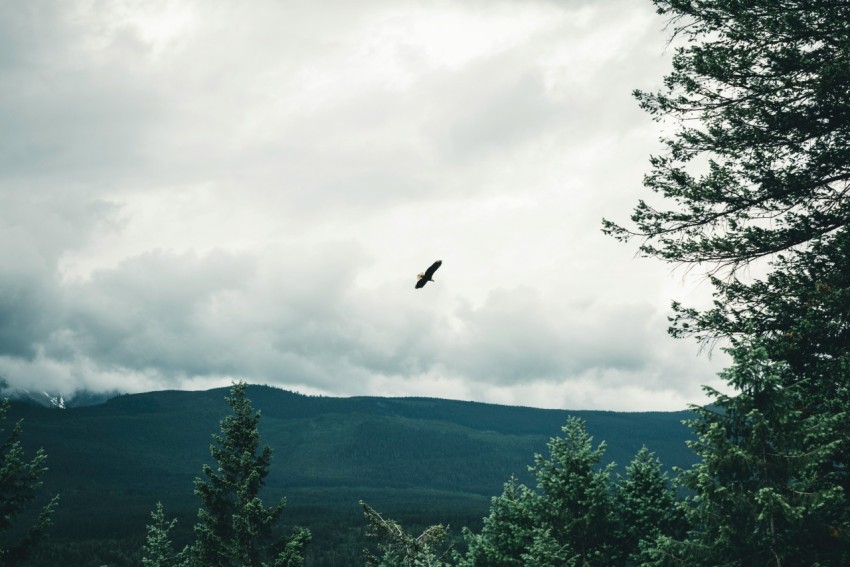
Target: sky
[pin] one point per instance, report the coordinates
(199, 192)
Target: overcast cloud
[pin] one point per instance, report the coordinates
(199, 192)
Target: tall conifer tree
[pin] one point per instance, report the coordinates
(646, 506)
(570, 518)
(234, 527)
(758, 168)
(576, 503)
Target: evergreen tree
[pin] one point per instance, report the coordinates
(509, 530)
(801, 318)
(158, 550)
(759, 168)
(19, 483)
(759, 497)
(646, 506)
(546, 551)
(570, 519)
(234, 527)
(758, 164)
(576, 502)
(793, 327)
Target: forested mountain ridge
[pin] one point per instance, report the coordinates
(422, 460)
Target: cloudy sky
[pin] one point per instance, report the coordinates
(195, 192)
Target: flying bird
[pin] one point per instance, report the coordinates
(427, 276)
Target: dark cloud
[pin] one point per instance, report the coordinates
(37, 228)
(149, 312)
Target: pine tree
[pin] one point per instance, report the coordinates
(546, 551)
(757, 168)
(576, 502)
(158, 550)
(759, 497)
(758, 161)
(234, 527)
(646, 506)
(20, 481)
(508, 532)
(794, 327)
(569, 519)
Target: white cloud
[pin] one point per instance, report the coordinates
(197, 192)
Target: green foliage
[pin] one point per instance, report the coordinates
(20, 481)
(397, 548)
(508, 531)
(646, 506)
(111, 553)
(158, 550)
(338, 451)
(546, 551)
(577, 515)
(759, 162)
(758, 167)
(234, 527)
(761, 491)
(576, 507)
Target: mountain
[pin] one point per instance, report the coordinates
(39, 398)
(419, 460)
(59, 401)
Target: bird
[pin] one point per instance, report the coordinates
(428, 275)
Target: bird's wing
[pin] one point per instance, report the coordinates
(421, 282)
(430, 271)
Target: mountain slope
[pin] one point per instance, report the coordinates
(419, 460)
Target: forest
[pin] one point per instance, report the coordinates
(752, 189)
(419, 460)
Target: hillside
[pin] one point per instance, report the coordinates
(419, 460)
